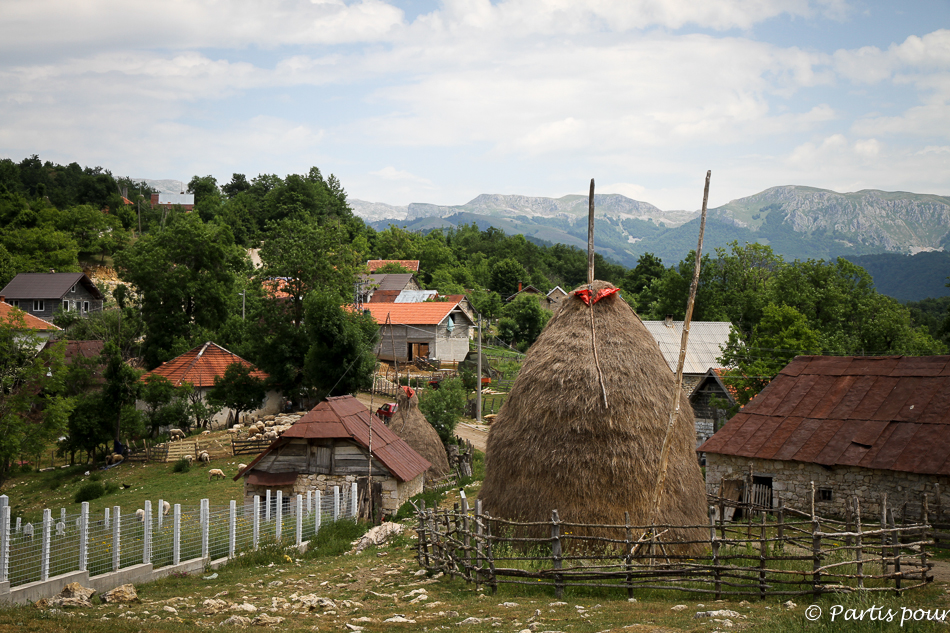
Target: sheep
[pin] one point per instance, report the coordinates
(204, 457)
(215, 472)
(166, 507)
(206, 432)
(176, 434)
(270, 435)
(140, 515)
(241, 467)
(114, 458)
(270, 422)
(189, 458)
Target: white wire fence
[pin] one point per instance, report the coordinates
(116, 539)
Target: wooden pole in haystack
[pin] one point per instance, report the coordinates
(675, 405)
(590, 288)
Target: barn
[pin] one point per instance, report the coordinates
(853, 425)
(329, 446)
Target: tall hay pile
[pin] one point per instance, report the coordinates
(555, 446)
(409, 424)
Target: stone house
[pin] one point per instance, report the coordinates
(41, 294)
(200, 366)
(438, 330)
(865, 426)
(329, 446)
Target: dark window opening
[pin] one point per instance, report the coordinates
(824, 494)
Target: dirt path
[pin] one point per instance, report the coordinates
(474, 433)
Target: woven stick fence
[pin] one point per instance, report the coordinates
(790, 553)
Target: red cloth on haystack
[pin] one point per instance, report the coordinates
(585, 294)
(409, 392)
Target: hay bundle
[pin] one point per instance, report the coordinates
(555, 446)
(409, 424)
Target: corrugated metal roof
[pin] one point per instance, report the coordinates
(8, 312)
(706, 340)
(47, 285)
(201, 366)
(415, 296)
(887, 412)
(345, 417)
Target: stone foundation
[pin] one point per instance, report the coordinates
(791, 481)
(395, 492)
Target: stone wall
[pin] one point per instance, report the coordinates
(791, 481)
(395, 492)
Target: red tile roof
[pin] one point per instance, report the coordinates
(345, 417)
(425, 313)
(886, 412)
(412, 265)
(201, 366)
(8, 312)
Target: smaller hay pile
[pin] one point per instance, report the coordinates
(409, 424)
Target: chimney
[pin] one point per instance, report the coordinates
(668, 321)
(2, 299)
(519, 286)
(154, 198)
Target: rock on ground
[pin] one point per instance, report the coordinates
(123, 593)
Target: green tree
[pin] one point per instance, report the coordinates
(120, 391)
(165, 404)
(522, 321)
(506, 275)
(340, 357)
(238, 389)
(33, 406)
(443, 407)
(187, 278)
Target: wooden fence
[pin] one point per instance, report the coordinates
(793, 554)
(248, 447)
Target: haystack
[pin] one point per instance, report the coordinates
(409, 424)
(554, 445)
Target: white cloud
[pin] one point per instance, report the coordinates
(391, 173)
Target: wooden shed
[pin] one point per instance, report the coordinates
(329, 446)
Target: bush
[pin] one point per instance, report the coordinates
(89, 491)
(181, 466)
(443, 407)
(111, 487)
(95, 477)
(336, 537)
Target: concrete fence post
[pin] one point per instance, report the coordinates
(299, 531)
(232, 528)
(267, 505)
(205, 520)
(4, 541)
(106, 518)
(257, 520)
(116, 529)
(319, 514)
(309, 504)
(84, 536)
(160, 508)
(279, 523)
(354, 493)
(62, 515)
(336, 503)
(176, 534)
(18, 524)
(44, 554)
(147, 533)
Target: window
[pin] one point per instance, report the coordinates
(73, 289)
(15, 303)
(65, 306)
(38, 305)
(824, 494)
(85, 306)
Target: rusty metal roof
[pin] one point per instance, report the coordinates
(345, 417)
(884, 412)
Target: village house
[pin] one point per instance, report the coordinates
(412, 265)
(711, 399)
(31, 324)
(329, 446)
(200, 366)
(171, 200)
(41, 294)
(385, 288)
(865, 426)
(437, 330)
(706, 341)
(549, 301)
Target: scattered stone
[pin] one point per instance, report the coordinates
(237, 620)
(399, 619)
(419, 598)
(721, 613)
(169, 609)
(557, 604)
(267, 620)
(246, 607)
(508, 605)
(472, 620)
(421, 572)
(73, 595)
(275, 583)
(362, 619)
(631, 599)
(789, 605)
(211, 577)
(678, 607)
(414, 592)
(123, 594)
(744, 603)
(377, 536)
(353, 627)
(213, 606)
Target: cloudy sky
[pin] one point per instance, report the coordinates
(439, 101)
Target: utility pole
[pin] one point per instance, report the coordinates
(478, 403)
(243, 298)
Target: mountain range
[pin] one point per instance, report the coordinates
(797, 222)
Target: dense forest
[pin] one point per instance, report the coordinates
(188, 279)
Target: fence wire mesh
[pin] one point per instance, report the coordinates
(28, 553)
